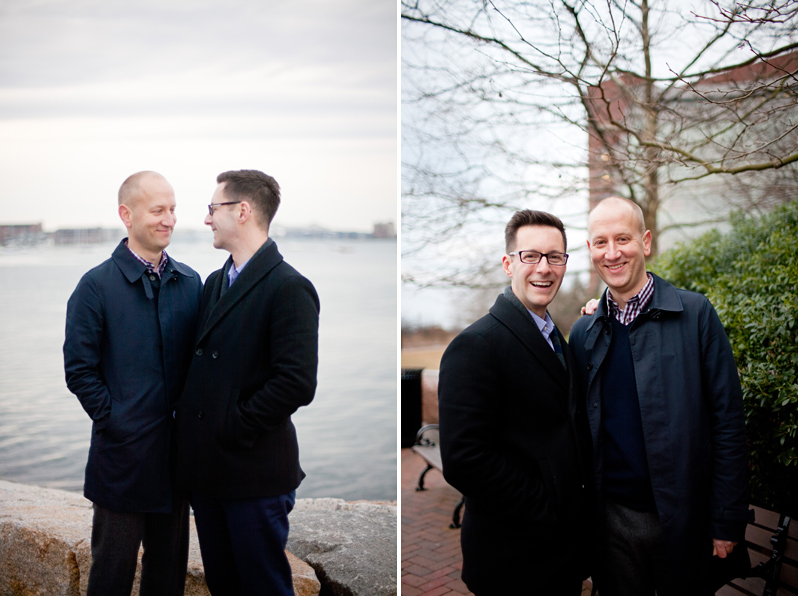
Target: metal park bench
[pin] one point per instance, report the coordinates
(772, 543)
(427, 445)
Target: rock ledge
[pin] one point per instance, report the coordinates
(45, 545)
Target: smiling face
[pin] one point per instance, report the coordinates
(535, 285)
(149, 216)
(223, 222)
(619, 245)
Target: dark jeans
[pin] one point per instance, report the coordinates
(243, 544)
(115, 540)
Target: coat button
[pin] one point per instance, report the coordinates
(198, 352)
(152, 278)
(589, 366)
(215, 355)
(200, 414)
(595, 404)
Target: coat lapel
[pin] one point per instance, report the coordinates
(573, 397)
(258, 267)
(529, 335)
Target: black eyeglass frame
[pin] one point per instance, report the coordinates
(520, 254)
(212, 205)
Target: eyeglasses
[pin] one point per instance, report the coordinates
(212, 205)
(532, 257)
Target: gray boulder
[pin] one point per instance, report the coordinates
(350, 545)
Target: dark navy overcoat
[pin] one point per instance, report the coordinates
(692, 412)
(126, 352)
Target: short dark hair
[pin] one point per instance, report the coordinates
(528, 217)
(259, 189)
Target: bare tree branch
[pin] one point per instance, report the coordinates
(485, 81)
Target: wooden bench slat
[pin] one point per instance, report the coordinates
(757, 557)
(789, 575)
(754, 585)
(768, 519)
(431, 455)
(731, 590)
(759, 536)
(791, 548)
(793, 531)
(737, 590)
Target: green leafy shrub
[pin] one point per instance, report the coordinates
(750, 275)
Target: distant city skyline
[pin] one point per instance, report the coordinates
(377, 225)
(34, 233)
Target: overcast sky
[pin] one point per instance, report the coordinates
(94, 90)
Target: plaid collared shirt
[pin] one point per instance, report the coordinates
(634, 306)
(150, 267)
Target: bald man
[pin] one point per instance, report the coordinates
(129, 330)
(666, 418)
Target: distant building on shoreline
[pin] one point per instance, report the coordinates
(381, 231)
(27, 234)
(21, 234)
(86, 235)
(384, 230)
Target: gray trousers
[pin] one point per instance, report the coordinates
(115, 540)
(633, 558)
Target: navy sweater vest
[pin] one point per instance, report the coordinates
(626, 477)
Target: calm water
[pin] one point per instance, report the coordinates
(347, 436)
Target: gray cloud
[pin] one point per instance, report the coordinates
(349, 45)
(304, 89)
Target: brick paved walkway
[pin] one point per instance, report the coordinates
(431, 559)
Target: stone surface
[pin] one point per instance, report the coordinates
(45, 548)
(351, 545)
(34, 559)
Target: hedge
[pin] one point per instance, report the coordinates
(750, 274)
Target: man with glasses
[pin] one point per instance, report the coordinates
(666, 416)
(254, 365)
(513, 439)
(129, 332)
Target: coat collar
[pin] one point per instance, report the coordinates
(665, 299)
(261, 263)
(527, 332)
(129, 265)
(133, 269)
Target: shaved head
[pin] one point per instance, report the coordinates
(617, 203)
(130, 190)
(147, 208)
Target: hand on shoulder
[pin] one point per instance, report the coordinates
(590, 307)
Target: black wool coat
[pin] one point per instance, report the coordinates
(515, 444)
(254, 364)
